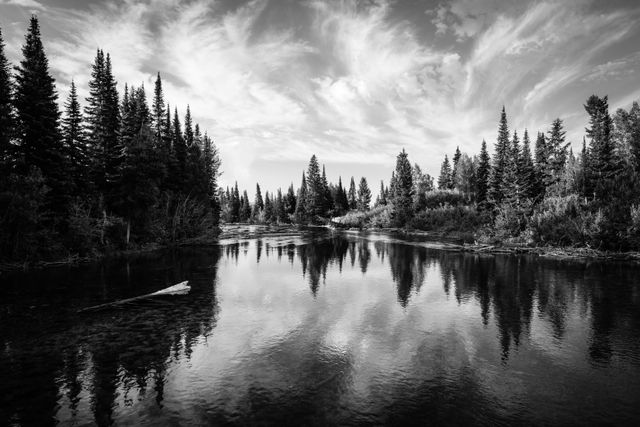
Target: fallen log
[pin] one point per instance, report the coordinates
(181, 288)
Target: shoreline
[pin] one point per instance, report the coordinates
(239, 231)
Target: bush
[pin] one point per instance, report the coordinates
(450, 218)
(565, 220)
(376, 217)
(442, 198)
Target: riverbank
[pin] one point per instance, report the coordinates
(455, 241)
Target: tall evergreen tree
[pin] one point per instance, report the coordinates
(279, 208)
(511, 184)
(212, 172)
(383, 195)
(527, 169)
(102, 114)
(269, 212)
(6, 110)
(315, 190)
(483, 173)
(158, 111)
(602, 160)
(352, 197)
(301, 214)
(402, 191)
(245, 207)
(445, 178)
(340, 198)
(258, 203)
(556, 149)
(38, 117)
(188, 128)
(541, 166)
(290, 202)
(75, 142)
(179, 148)
(364, 195)
(495, 194)
(454, 171)
(327, 200)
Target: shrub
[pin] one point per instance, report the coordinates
(450, 218)
(376, 217)
(564, 220)
(441, 198)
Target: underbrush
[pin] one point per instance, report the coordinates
(448, 218)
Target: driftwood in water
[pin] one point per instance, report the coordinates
(181, 288)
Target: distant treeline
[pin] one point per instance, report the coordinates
(114, 174)
(550, 196)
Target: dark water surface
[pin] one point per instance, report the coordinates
(346, 329)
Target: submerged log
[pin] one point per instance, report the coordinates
(181, 288)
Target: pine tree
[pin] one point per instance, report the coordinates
(327, 200)
(602, 161)
(556, 151)
(158, 112)
(258, 204)
(444, 180)
(245, 209)
(483, 173)
(103, 123)
(212, 172)
(541, 166)
(38, 116)
(301, 214)
(364, 195)
(495, 194)
(234, 208)
(279, 208)
(315, 190)
(188, 128)
(402, 191)
(511, 185)
(340, 198)
(352, 197)
(454, 171)
(290, 202)
(527, 169)
(179, 148)
(75, 142)
(138, 185)
(6, 110)
(383, 195)
(269, 213)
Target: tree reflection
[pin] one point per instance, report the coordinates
(103, 353)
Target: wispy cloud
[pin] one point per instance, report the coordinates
(349, 80)
(30, 4)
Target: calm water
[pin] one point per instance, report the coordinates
(327, 329)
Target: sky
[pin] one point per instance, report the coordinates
(354, 82)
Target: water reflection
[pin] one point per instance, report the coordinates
(334, 328)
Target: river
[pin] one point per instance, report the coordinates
(325, 328)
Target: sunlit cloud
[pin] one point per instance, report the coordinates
(350, 81)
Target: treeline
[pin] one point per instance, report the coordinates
(551, 195)
(315, 201)
(529, 192)
(115, 174)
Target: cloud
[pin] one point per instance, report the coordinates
(353, 82)
(33, 4)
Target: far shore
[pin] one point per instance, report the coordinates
(452, 241)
